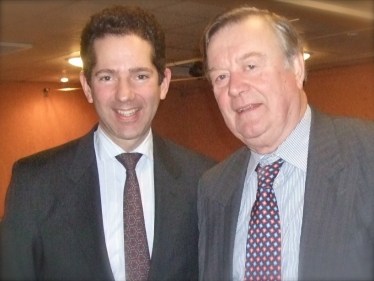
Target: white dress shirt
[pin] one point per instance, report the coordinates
(289, 188)
(112, 177)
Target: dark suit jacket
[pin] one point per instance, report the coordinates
(53, 230)
(337, 239)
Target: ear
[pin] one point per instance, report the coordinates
(299, 69)
(165, 83)
(86, 88)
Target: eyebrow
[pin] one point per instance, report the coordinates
(140, 69)
(131, 70)
(243, 58)
(104, 71)
(252, 54)
(208, 71)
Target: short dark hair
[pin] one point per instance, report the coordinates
(288, 38)
(123, 20)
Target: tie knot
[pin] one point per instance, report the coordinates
(129, 160)
(272, 168)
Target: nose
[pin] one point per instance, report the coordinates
(124, 91)
(237, 84)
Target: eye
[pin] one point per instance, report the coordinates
(220, 80)
(221, 77)
(142, 76)
(105, 78)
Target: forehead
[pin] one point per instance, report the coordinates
(113, 44)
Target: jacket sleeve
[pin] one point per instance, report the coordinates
(19, 245)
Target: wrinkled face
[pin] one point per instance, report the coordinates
(124, 88)
(260, 99)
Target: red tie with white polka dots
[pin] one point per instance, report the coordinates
(137, 259)
(263, 252)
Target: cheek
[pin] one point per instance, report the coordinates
(150, 100)
(105, 93)
(224, 108)
(100, 93)
(100, 99)
(227, 113)
(154, 102)
(153, 93)
(222, 100)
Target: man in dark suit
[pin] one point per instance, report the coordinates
(296, 203)
(64, 217)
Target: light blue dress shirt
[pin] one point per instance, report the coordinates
(289, 188)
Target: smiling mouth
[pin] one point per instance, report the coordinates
(128, 113)
(240, 110)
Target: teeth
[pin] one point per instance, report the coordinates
(127, 113)
(245, 108)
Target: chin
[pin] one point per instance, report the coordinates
(128, 136)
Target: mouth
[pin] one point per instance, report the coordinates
(248, 107)
(128, 113)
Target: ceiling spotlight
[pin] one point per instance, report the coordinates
(64, 79)
(306, 56)
(76, 61)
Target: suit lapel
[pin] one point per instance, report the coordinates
(325, 162)
(234, 179)
(230, 189)
(166, 174)
(84, 208)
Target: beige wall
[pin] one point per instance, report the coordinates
(31, 122)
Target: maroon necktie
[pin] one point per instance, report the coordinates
(137, 260)
(263, 253)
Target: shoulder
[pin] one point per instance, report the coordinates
(352, 134)
(354, 128)
(229, 173)
(348, 126)
(179, 168)
(236, 160)
(356, 140)
(348, 141)
(36, 179)
(187, 159)
(59, 157)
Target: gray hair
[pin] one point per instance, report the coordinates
(288, 38)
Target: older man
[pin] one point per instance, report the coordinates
(297, 201)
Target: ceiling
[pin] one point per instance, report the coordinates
(38, 36)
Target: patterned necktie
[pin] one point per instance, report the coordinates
(263, 253)
(137, 258)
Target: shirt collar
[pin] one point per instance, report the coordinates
(107, 149)
(294, 150)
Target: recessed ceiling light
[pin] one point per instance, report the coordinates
(306, 56)
(64, 79)
(76, 61)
